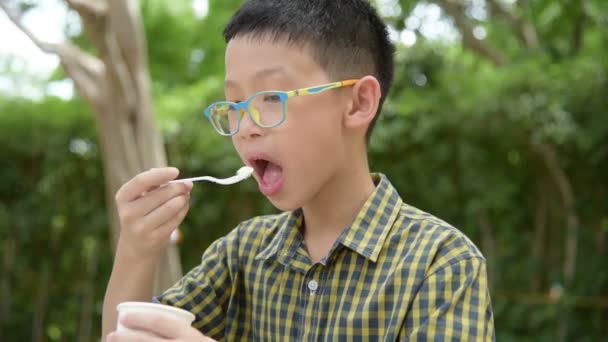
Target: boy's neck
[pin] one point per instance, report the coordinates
(334, 208)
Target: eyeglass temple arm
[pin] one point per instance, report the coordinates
(321, 88)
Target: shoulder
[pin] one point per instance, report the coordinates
(253, 235)
(433, 241)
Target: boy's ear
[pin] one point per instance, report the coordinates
(366, 98)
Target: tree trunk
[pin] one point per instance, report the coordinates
(8, 264)
(87, 308)
(117, 86)
(123, 109)
(41, 304)
(488, 243)
(549, 157)
(540, 235)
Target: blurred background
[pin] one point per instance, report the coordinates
(497, 123)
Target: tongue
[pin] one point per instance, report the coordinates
(272, 173)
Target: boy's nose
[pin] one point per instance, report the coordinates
(249, 129)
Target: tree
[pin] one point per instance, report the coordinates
(116, 85)
(540, 34)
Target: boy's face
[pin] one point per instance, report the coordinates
(296, 159)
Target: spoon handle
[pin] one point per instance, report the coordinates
(195, 179)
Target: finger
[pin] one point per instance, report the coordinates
(158, 324)
(167, 211)
(144, 182)
(132, 336)
(188, 185)
(163, 232)
(154, 199)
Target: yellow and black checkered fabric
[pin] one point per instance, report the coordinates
(395, 274)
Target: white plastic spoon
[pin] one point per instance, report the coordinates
(241, 174)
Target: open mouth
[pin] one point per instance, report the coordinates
(269, 175)
(259, 165)
(266, 170)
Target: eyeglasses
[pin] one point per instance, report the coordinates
(267, 108)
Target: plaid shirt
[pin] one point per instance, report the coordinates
(395, 274)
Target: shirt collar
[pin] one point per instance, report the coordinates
(366, 235)
(287, 238)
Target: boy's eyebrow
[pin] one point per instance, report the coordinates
(258, 75)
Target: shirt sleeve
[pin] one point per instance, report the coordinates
(453, 304)
(204, 291)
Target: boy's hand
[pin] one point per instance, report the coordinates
(142, 324)
(150, 210)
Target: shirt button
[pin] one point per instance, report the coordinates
(313, 285)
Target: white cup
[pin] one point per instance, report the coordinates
(170, 311)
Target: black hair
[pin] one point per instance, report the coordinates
(347, 37)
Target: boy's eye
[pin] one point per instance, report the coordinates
(272, 98)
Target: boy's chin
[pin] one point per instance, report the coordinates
(284, 202)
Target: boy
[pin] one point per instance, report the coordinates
(347, 260)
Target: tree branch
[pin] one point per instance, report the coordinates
(94, 19)
(14, 18)
(117, 61)
(579, 26)
(85, 70)
(97, 8)
(526, 30)
(130, 35)
(453, 9)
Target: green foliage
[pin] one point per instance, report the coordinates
(53, 215)
(466, 155)
(459, 138)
